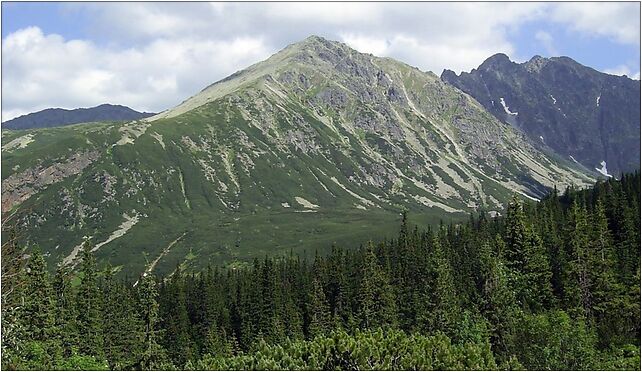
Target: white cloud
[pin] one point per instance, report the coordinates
(619, 21)
(623, 70)
(365, 44)
(44, 71)
(547, 41)
(151, 56)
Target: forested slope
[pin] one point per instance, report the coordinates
(551, 285)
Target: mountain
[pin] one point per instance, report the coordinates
(55, 117)
(580, 113)
(317, 144)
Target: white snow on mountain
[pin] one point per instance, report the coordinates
(603, 170)
(508, 111)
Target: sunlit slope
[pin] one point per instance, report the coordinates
(318, 144)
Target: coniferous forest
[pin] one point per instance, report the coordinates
(553, 285)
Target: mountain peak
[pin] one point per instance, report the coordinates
(495, 61)
(314, 51)
(536, 63)
(314, 44)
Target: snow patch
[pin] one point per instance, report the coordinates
(597, 101)
(553, 98)
(285, 205)
(603, 170)
(572, 158)
(541, 139)
(506, 109)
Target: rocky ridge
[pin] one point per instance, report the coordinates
(317, 144)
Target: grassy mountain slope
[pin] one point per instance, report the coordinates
(317, 144)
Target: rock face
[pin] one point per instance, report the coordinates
(580, 113)
(55, 117)
(317, 144)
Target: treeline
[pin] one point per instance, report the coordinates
(550, 285)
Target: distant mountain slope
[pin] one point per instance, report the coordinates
(317, 144)
(56, 117)
(582, 114)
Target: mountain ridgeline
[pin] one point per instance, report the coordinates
(582, 114)
(317, 144)
(54, 117)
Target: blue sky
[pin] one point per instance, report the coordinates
(151, 56)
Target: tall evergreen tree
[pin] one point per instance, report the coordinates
(319, 310)
(152, 354)
(122, 329)
(538, 294)
(66, 319)
(498, 304)
(90, 332)
(376, 302)
(577, 273)
(441, 303)
(175, 320)
(37, 314)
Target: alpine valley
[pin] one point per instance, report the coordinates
(318, 144)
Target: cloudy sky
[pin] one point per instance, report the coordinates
(151, 56)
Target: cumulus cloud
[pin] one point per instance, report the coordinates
(619, 21)
(547, 41)
(44, 71)
(623, 70)
(151, 56)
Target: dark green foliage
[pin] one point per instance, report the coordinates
(66, 312)
(89, 311)
(439, 306)
(555, 341)
(151, 356)
(37, 316)
(318, 310)
(485, 294)
(365, 350)
(376, 304)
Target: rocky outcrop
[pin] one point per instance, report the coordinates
(578, 112)
(19, 187)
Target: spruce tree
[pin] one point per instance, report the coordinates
(152, 353)
(38, 315)
(498, 303)
(122, 329)
(577, 276)
(66, 319)
(606, 291)
(538, 294)
(319, 310)
(88, 303)
(440, 305)
(177, 340)
(376, 301)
